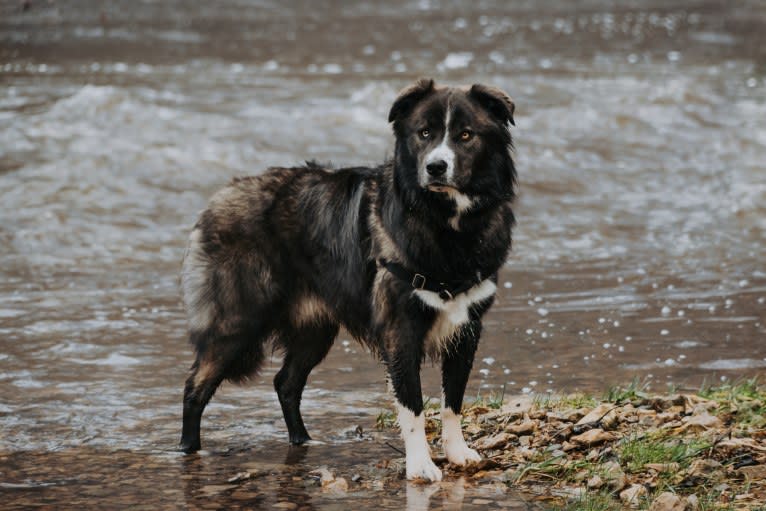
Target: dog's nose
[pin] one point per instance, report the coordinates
(437, 168)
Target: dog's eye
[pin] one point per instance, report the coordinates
(466, 135)
(425, 133)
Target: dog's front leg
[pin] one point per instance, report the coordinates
(456, 367)
(404, 372)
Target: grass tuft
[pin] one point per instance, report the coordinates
(635, 452)
(592, 501)
(635, 390)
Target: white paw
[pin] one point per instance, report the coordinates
(461, 454)
(423, 468)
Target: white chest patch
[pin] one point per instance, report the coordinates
(453, 313)
(462, 204)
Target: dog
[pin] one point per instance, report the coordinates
(404, 256)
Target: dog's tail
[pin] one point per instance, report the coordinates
(223, 290)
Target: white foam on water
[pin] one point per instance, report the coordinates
(733, 364)
(457, 60)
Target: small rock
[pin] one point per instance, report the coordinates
(693, 402)
(593, 455)
(754, 473)
(325, 476)
(356, 478)
(692, 503)
(581, 476)
(573, 415)
(722, 487)
(664, 402)
(632, 496)
(663, 417)
(642, 412)
(494, 441)
(593, 437)
(615, 477)
(338, 485)
(595, 482)
(241, 476)
(472, 429)
(516, 408)
(525, 441)
(600, 413)
(701, 422)
(329, 482)
(702, 467)
(568, 492)
(744, 443)
(526, 426)
(667, 501)
(663, 467)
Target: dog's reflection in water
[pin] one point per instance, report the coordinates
(419, 495)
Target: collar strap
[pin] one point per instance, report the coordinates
(446, 290)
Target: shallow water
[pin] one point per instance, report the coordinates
(641, 137)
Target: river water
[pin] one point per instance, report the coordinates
(639, 253)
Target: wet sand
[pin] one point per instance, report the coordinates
(640, 143)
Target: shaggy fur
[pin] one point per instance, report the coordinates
(292, 254)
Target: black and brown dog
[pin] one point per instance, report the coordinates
(404, 256)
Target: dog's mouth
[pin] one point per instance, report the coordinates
(440, 187)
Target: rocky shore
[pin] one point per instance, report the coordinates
(630, 449)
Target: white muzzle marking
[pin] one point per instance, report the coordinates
(442, 152)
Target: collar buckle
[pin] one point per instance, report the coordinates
(418, 281)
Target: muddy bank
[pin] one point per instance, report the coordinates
(630, 449)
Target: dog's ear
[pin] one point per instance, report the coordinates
(409, 97)
(497, 102)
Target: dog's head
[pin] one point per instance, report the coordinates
(454, 139)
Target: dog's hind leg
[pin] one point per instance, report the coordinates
(456, 367)
(233, 357)
(200, 387)
(305, 347)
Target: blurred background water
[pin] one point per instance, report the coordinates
(640, 144)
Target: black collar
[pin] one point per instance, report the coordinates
(447, 290)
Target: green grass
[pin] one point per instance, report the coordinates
(565, 402)
(493, 400)
(386, 419)
(637, 389)
(748, 388)
(593, 501)
(744, 400)
(636, 452)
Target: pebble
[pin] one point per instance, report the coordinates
(632, 495)
(593, 437)
(667, 501)
(526, 426)
(605, 413)
(494, 441)
(595, 482)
